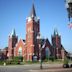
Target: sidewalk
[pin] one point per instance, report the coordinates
(36, 68)
(53, 70)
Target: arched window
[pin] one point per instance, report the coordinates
(20, 51)
(47, 52)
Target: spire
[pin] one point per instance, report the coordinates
(33, 13)
(55, 32)
(13, 33)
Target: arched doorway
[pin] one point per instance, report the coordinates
(47, 52)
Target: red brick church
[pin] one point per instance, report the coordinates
(30, 46)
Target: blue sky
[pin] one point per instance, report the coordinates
(52, 15)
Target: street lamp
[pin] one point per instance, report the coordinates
(40, 50)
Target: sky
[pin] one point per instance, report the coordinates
(52, 14)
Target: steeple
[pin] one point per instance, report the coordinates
(33, 13)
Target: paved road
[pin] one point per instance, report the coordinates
(35, 68)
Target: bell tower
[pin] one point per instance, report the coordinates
(56, 43)
(32, 29)
(12, 40)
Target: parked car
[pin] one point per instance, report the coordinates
(71, 65)
(65, 65)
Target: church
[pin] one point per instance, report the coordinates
(30, 47)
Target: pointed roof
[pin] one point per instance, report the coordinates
(55, 32)
(13, 33)
(33, 13)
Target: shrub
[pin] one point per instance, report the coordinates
(18, 58)
(65, 61)
(1, 62)
(51, 58)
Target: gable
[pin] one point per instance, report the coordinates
(20, 43)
